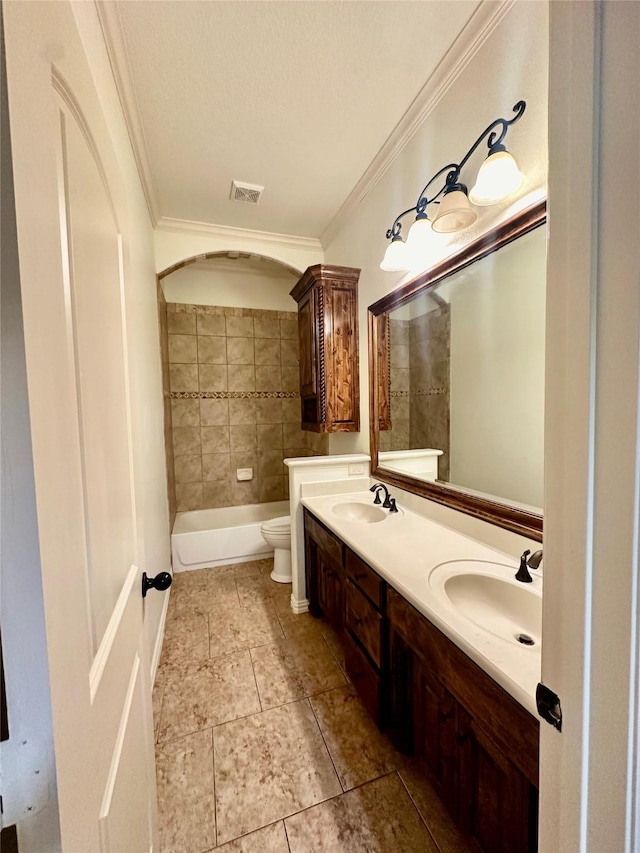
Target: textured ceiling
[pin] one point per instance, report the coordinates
(296, 96)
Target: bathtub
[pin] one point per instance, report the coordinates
(218, 537)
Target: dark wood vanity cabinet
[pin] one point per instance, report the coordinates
(327, 298)
(475, 743)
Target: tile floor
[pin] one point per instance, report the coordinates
(261, 743)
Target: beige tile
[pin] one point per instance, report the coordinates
(183, 349)
(239, 327)
(271, 489)
(213, 377)
(267, 326)
(447, 835)
(242, 437)
(181, 324)
(268, 766)
(242, 411)
(293, 436)
(188, 469)
(233, 629)
(289, 353)
(203, 590)
(289, 328)
(245, 492)
(359, 752)
(215, 439)
(211, 325)
(252, 589)
(270, 463)
(291, 413)
(269, 437)
(270, 839)
(215, 466)
(290, 669)
(186, 639)
(297, 626)
(249, 569)
(335, 643)
(185, 413)
(188, 496)
(268, 378)
(183, 377)
(399, 379)
(400, 356)
(290, 378)
(211, 349)
(214, 412)
(198, 696)
(242, 377)
(268, 351)
(216, 493)
(186, 440)
(240, 351)
(243, 459)
(269, 411)
(377, 818)
(186, 800)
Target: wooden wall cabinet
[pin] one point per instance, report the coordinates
(327, 298)
(475, 743)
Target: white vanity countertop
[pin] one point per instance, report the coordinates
(403, 550)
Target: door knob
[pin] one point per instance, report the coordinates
(161, 581)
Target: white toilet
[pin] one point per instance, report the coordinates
(277, 533)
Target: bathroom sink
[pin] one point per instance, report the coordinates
(488, 595)
(361, 512)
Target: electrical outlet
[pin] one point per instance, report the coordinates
(356, 468)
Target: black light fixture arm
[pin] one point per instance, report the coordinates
(495, 132)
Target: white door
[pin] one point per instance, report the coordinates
(72, 240)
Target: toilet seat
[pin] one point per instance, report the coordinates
(280, 525)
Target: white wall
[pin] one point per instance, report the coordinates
(497, 372)
(235, 284)
(508, 65)
(177, 244)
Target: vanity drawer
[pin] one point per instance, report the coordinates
(364, 678)
(364, 622)
(329, 543)
(365, 577)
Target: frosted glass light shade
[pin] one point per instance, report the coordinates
(455, 212)
(419, 233)
(396, 257)
(498, 178)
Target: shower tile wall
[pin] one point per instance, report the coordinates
(235, 403)
(168, 442)
(420, 385)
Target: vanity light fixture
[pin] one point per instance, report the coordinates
(498, 178)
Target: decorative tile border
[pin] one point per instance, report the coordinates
(421, 392)
(233, 395)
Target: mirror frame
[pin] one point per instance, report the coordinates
(495, 512)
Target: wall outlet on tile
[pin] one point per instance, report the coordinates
(244, 474)
(356, 468)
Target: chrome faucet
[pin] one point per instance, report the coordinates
(389, 502)
(532, 562)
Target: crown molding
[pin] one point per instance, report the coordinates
(226, 232)
(462, 50)
(114, 39)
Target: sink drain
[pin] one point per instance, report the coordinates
(525, 639)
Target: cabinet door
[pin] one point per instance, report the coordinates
(399, 699)
(312, 573)
(307, 344)
(497, 805)
(330, 589)
(341, 363)
(435, 721)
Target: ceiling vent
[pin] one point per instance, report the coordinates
(248, 193)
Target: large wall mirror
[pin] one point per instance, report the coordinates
(457, 378)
